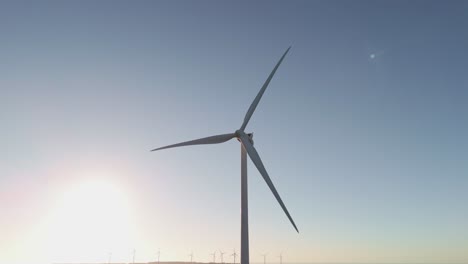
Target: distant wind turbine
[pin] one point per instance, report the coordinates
(159, 254)
(264, 258)
(247, 147)
(234, 256)
(191, 257)
(281, 258)
(222, 254)
(214, 256)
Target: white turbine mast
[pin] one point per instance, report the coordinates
(264, 258)
(191, 257)
(222, 254)
(234, 255)
(214, 256)
(247, 148)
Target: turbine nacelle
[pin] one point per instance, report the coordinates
(239, 133)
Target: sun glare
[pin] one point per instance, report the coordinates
(90, 219)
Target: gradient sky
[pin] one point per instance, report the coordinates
(363, 129)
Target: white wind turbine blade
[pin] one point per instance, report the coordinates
(208, 140)
(259, 164)
(254, 104)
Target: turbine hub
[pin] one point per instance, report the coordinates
(239, 133)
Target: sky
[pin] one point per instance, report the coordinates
(362, 129)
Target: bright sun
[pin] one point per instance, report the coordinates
(91, 219)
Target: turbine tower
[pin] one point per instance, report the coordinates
(264, 258)
(221, 254)
(281, 258)
(214, 256)
(234, 256)
(191, 257)
(246, 140)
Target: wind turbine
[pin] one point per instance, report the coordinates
(159, 254)
(246, 148)
(191, 257)
(234, 256)
(222, 254)
(281, 258)
(264, 258)
(214, 256)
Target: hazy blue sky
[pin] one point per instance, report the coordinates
(363, 129)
